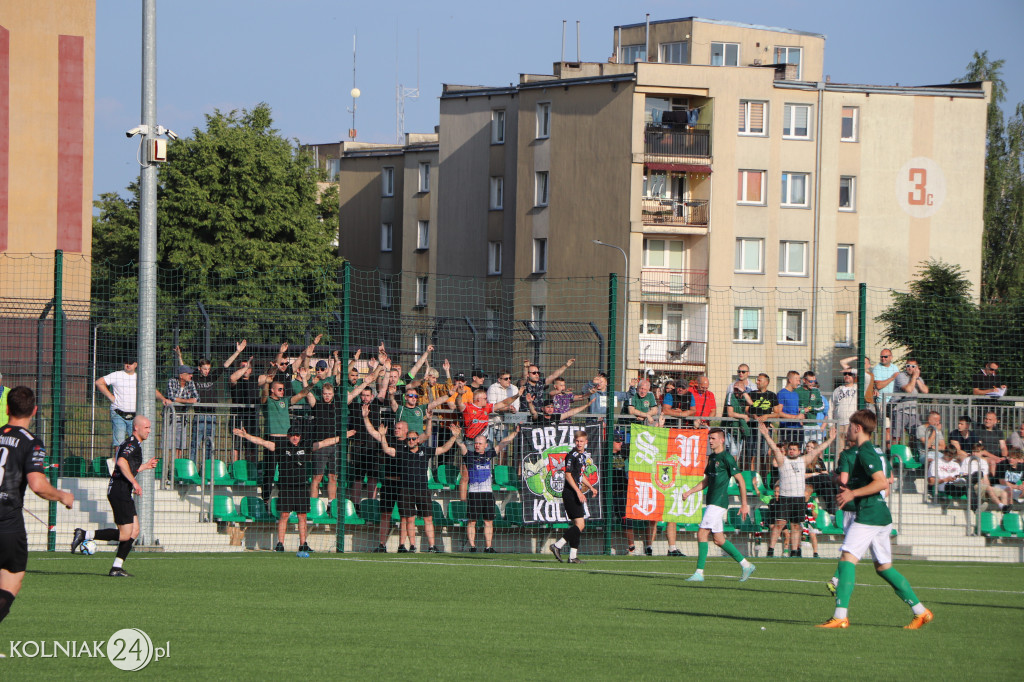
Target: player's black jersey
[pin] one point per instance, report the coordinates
(21, 453)
(131, 452)
(575, 464)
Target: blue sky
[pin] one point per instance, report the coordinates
(297, 55)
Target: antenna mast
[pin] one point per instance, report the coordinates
(403, 93)
(354, 92)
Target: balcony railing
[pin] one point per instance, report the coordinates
(693, 143)
(658, 283)
(672, 212)
(674, 352)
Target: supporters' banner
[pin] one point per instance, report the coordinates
(542, 463)
(663, 464)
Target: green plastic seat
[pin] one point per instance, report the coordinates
(514, 513)
(1012, 524)
(902, 453)
(217, 469)
(73, 467)
(98, 467)
(351, 517)
(369, 510)
(185, 472)
(319, 512)
(751, 524)
(224, 510)
(432, 483)
(448, 477)
(243, 472)
(503, 479)
(499, 518)
(254, 510)
(992, 528)
(292, 518)
(458, 512)
(440, 520)
(748, 480)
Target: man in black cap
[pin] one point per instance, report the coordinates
(477, 382)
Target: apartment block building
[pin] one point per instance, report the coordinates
(749, 192)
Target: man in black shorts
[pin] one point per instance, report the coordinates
(574, 498)
(22, 464)
(476, 486)
(364, 459)
(127, 465)
(391, 475)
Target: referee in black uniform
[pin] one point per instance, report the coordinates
(127, 465)
(574, 499)
(22, 464)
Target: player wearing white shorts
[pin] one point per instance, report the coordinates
(868, 480)
(843, 466)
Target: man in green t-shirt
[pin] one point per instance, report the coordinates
(809, 395)
(720, 468)
(866, 486)
(643, 405)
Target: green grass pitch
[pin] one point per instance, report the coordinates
(362, 616)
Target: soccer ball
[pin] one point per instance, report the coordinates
(88, 547)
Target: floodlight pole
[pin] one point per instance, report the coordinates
(625, 311)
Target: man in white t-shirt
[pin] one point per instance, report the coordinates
(120, 389)
(844, 399)
(948, 469)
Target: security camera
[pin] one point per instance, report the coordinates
(171, 134)
(137, 130)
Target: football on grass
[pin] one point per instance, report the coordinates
(88, 547)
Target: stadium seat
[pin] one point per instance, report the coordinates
(752, 524)
(458, 512)
(432, 483)
(254, 510)
(514, 513)
(292, 518)
(499, 518)
(244, 472)
(319, 512)
(218, 470)
(748, 479)
(98, 468)
(440, 520)
(448, 477)
(185, 472)
(991, 528)
(1012, 525)
(351, 517)
(830, 526)
(369, 510)
(902, 453)
(503, 479)
(224, 510)
(72, 467)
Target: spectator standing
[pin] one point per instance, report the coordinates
(278, 427)
(643, 406)
(204, 425)
(324, 413)
(735, 409)
(476, 415)
(761, 405)
(811, 403)
(987, 381)
(844, 397)
(182, 392)
(496, 392)
(245, 394)
(476, 380)
(908, 385)
(701, 401)
(475, 487)
(120, 389)
(531, 383)
(744, 382)
(414, 460)
(561, 398)
(789, 399)
(885, 376)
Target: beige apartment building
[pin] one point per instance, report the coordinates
(750, 193)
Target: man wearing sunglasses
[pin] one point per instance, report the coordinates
(531, 382)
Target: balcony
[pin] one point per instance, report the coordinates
(668, 285)
(676, 213)
(673, 352)
(675, 144)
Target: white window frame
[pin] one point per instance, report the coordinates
(844, 318)
(787, 268)
(652, 326)
(385, 293)
(784, 315)
(746, 130)
(541, 188)
(497, 198)
(333, 169)
(540, 255)
(738, 332)
(738, 260)
(849, 275)
(387, 181)
(638, 52)
(670, 247)
(498, 126)
(387, 236)
(422, 235)
(789, 121)
(787, 190)
(543, 120)
(742, 179)
(681, 45)
(855, 131)
(424, 176)
(422, 287)
(493, 258)
(799, 62)
(851, 206)
(724, 53)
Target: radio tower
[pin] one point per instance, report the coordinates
(403, 93)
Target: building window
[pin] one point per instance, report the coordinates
(791, 326)
(498, 126)
(746, 325)
(793, 259)
(633, 53)
(493, 258)
(725, 54)
(540, 255)
(796, 121)
(850, 124)
(387, 181)
(790, 55)
(843, 328)
(752, 117)
(333, 169)
(491, 325)
(538, 315)
(663, 253)
(847, 193)
(497, 193)
(425, 177)
(540, 190)
(544, 120)
(385, 293)
(674, 53)
(419, 343)
(794, 189)
(422, 235)
(421, 292)
(750, 189)
(653, 319)
(844, 261)
(750, 256)
(386, 236)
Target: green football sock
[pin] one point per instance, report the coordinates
(900, 585)
(847, 578)
(731, 550)
(702, 555)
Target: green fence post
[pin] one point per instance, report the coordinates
(341, 464)
(56, 389)
(862, 334)
(609, 446)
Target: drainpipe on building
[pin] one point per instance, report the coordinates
(647, 38)
(817, 224)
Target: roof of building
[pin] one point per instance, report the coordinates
(720, 22)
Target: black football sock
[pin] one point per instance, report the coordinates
(123, 547)
(574, 534)
(6, 599)
(107, 534)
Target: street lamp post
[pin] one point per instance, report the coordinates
(625, 309)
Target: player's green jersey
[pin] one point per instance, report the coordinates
(845, 464)
(871, 510)
(719, 470)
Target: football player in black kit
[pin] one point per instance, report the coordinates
(22, 462)
(574, 498)
(127, 465)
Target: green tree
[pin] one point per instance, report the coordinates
(938, 323)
